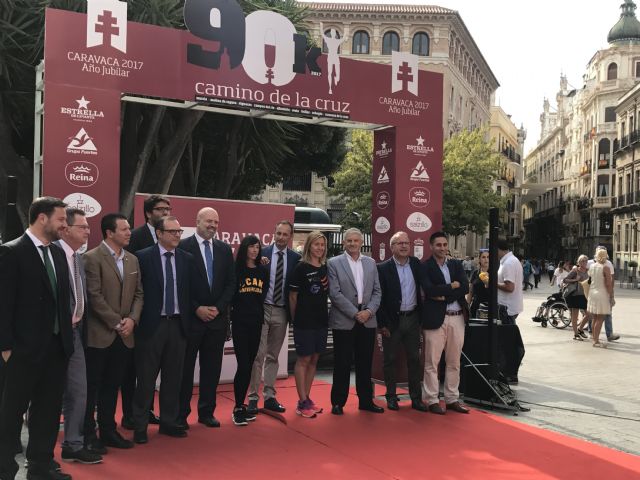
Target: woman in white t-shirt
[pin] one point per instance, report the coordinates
(561, 273)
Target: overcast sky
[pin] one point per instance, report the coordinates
(528, 43)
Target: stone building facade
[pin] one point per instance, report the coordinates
(571, 173)
(442, 41)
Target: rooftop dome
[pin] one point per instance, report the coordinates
(628, 27)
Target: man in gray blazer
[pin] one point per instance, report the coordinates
(74, 236)
(354, 290)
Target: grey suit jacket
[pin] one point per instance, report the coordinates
(83, 279)
(344, 296)
(110, 297)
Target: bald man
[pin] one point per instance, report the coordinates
(212, 289)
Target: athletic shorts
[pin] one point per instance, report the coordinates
(310, 341)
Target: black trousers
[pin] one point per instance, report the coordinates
(106, 368)
(246, 340)
(351, 346)
(210, 345)
(38, 386)
(128, 387)
(407, 335)
(162, 352)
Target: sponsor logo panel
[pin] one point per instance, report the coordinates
(384, 150)
(419, 197)
(420, 149)
(419, 222)
(81, 112)
(81, 174)
(383, 200)
(382, 225)
(82, 144)
(89, 205)
(383, 177)
(419, 173)
(418, 248)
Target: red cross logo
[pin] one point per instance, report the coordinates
(106, 25)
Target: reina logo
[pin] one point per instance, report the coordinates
(419, 148)
(82, 112)
(384, 151)
(383, 199)
(107, 24)
(419, 173)
(82, 144)
(384, 176)
(419, 197)
(81, 174)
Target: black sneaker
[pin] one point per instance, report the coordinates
(250, 417)
(80, 456)
(239, 418)
(252, 408)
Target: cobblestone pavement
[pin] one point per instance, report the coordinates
(578, 390)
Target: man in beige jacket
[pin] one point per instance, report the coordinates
(115, 296)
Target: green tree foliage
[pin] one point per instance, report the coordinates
(353, 181)
(469, 169)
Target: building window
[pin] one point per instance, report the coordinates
(421, 44)
(637, 69)
(390, 43)
(610, 114)
(612, 71)
(604, 153)
(360, 42)
(297, 183)
(327, 33)
(603, 185)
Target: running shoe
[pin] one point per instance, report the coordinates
(305, 409)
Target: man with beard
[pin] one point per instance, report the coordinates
(36, 338)
(213, 285)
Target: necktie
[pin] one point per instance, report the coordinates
(169, 302)
(51, 273)
(77, 282)
(277, 289)
(208, 258)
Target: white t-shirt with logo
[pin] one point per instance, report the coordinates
(510, 270)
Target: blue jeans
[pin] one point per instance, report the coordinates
(608, 325)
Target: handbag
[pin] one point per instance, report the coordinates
(586, 284)
(569, 289)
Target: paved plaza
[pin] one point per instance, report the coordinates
(578, 390)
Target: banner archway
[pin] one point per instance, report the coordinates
(255, 66)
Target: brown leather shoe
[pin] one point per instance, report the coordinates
(437, 409)
(457, 407)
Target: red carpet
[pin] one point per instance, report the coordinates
(361, 445)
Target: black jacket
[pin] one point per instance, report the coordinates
(140, 238)
(224, 283)
(433, 284)
(28, 304)
(387, 314)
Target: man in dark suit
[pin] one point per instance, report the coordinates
(36, 338)
(213, 285)
(75, 393)
(283, 260)
(354, 290)
(115, 294)
(399, 319)
(155, 207)
(161, 333)
(444, 311)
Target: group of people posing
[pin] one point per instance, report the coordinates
(80, 328)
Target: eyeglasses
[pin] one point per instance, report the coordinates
(173, 232)
(84, 227)
(162, 209)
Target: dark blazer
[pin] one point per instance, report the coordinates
(292, 260)
(387, 314)
(140, 238)
(28, 304)
(224, 283)
(433, 284)
(153, 287)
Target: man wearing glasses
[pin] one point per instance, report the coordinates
(155, 207)
(161, 333)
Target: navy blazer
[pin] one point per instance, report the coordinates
(433, 284)
(224, 283)
(28, 304)
(140, 238)
(292, 260)
(153, 287)
(387, 314)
